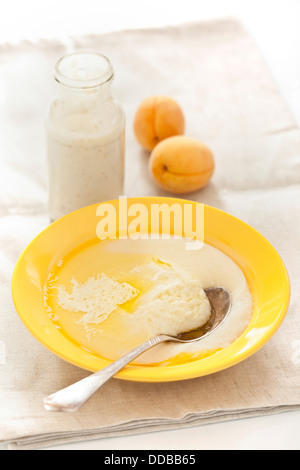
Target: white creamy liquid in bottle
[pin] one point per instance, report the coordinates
(85, 135)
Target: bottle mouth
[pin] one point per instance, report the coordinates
(83, 70)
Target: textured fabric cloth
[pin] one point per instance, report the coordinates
(231, 102)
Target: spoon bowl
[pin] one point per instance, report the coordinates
(220, 302)
(74, 396)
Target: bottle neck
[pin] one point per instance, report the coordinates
(84, 77)
(99, 93)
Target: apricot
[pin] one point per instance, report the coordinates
(156, 119)
(181, 164)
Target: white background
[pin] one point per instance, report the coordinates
(275, 25)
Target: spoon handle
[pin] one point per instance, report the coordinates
(74, 396)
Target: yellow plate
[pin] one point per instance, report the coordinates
(264, 270)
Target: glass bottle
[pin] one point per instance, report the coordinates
(85, 135)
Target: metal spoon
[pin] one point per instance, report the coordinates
(74, 396)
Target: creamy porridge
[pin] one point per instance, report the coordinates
(113, 295)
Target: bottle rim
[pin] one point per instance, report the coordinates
(83, 70)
